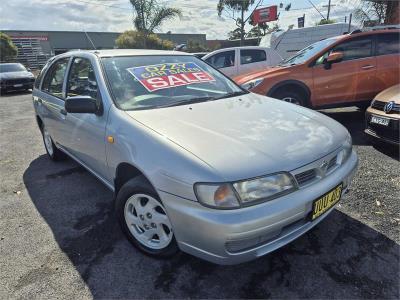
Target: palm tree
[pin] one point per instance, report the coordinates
(149, 16)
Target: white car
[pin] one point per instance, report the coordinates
(241, 60)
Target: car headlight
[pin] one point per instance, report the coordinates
(252, 84)
(246, 192)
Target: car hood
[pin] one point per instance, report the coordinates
(247, 136)
(271, 71)
(14, 75)
(390, 94)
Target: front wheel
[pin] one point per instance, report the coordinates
(144, 220)
(291, 97)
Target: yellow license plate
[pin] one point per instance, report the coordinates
(323, 204)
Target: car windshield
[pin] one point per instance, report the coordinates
(146, 82)
(4, 68)
(308, 52)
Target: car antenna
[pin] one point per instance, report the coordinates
(90, 40)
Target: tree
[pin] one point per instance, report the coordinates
(325, 21)
(7, 48)
(194, 46)
(380, 10)
(234, 7)
(149, 16)
(255, 32)
(234, 34)
(131, 39)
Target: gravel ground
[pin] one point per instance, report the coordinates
(59, 237)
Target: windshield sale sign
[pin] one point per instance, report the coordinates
(163, 76)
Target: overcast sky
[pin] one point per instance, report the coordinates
(199, 16)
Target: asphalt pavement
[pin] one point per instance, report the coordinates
(59, 237)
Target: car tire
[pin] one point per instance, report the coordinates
(143, 219)
(293, 97)
(52, 151)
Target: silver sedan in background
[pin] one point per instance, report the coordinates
(196, 162)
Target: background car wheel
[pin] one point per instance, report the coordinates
(290, 96)
(52, 151)
(143, 219)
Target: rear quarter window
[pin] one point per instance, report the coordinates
(250, 56)
(388, 43)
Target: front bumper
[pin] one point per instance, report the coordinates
(235, 236)
(17, 84)
(389, 134)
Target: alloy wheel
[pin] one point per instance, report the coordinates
(147, 221)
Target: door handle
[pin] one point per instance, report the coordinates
(63, 111)
(366, 67)
(40, 101)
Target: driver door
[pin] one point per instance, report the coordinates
(350, 80)
(86, 140)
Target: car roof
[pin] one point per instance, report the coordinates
(128, 52)
(16, 63)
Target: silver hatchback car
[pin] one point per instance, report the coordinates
(196, 162)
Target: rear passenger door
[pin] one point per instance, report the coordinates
(252, 60)
(86, 131)
(388, 60)
(51, 100)
(225, 61)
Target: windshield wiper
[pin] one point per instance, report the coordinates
(233, 94)
(202, 99)
(187, 101)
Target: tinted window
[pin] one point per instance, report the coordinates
(251, 56)
(355, 49)
(308, 52)
(53, 81)
(82, 81)
(388, 43)
(222, 59)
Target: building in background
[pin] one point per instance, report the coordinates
(36, 47)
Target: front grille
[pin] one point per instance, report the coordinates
(306, 177)
(332, 163)
(379, 105)
(19, 81)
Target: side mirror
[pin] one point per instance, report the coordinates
(334, 57)
(81, 104)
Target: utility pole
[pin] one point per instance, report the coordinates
(329, 10)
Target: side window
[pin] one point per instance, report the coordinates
(222, 59)
(250, 56)
(54, 78)
(355, 49)
(82, 80)
(388, 43)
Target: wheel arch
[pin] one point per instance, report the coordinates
(126, 171)
(296, 84)
(39, 121)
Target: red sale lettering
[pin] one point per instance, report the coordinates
(168, 75)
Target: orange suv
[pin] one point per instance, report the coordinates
(340, 71)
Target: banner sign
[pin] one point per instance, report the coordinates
(33, 37)
(164, 76)
(265, 14)
(300, 22)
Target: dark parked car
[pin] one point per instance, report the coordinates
(14, 76)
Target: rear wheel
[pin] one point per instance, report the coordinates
(52, 151)
(144, 220)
